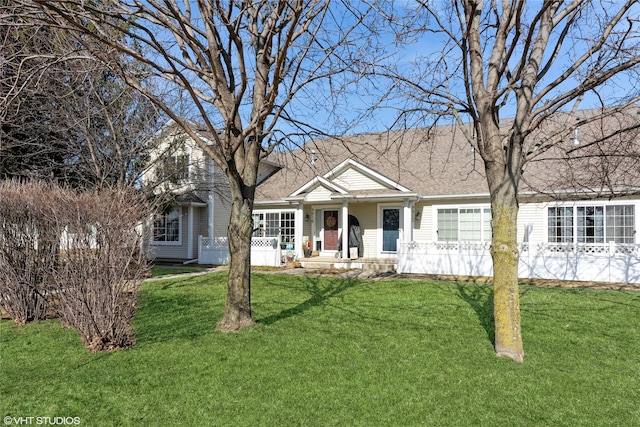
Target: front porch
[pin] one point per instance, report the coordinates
(269, 252)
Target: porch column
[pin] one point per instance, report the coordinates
(210, 215)
(190, 233)
(345, 229)
(408, 222)
(299, 230)
(211, 197)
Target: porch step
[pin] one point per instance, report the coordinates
(379, 267)
(367, 265)
(311, 265)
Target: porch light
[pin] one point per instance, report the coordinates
(306, 218)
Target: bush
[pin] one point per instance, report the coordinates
(83, 249)
(101, 266)
(28, 250)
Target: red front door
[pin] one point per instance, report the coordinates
(330, 230)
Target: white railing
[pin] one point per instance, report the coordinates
(264, 251)
(608, 262)
(213, 250)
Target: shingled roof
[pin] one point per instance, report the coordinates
(441, 162)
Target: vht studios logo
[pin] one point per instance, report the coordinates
(48, 421)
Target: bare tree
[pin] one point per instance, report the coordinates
(528, 61)
(237, 66)
(65, 116)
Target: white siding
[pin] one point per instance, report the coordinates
(222, 203)
(531, 222)
(197, 215)
(221, 211)
(352, 180)
(306, 225)
(531, 218)
(423, 228)
(177, 144)
(366, 214)
(201, 226)
(320, 193)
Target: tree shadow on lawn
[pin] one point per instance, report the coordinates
(320, 292)
(480, 298)
(170, 312)
(175, 317)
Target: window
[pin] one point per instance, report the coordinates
(470, 224)
(464, 224)
(270, 224)
(448, 225)
(166, 227)
(591, 224)
(288, 226)
(560, 222)
(175, 169)
(620, 224)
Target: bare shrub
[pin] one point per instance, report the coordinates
(82, 251)
(29, 251)
(101, 266)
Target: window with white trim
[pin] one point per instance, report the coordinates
(560, 224)
(175, 168)
(270, 224)
(166, 227)
(472, 224)
(591, 224)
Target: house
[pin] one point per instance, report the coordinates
(195, 194)
(418, 199)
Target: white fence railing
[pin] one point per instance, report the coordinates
(608, 262)
(264, 251)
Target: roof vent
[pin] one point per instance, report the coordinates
(313, 157)
(574, 140)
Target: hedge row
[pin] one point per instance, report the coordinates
(75, 255)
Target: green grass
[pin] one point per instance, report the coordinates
(331, 351)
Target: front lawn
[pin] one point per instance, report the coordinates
(332, 351)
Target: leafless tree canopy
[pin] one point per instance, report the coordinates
(520, 62)
(64, 115)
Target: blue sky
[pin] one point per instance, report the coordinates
(411, 56)
(319, 107)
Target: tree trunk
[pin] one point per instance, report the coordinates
(237, 312)
(504, 251)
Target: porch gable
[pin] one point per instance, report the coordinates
(348, 180)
